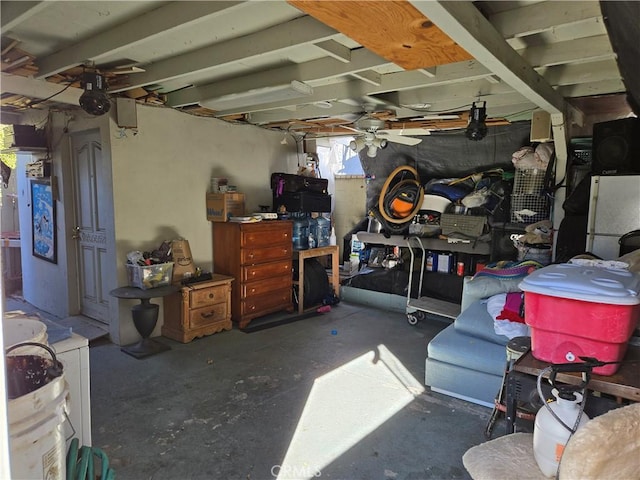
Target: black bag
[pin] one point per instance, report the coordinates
(289, 183)
(316, 283)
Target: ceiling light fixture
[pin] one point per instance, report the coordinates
(477, 129)
(258, 96)
(370, 141)
(94, 99)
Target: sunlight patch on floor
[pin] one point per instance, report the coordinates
(343, 407)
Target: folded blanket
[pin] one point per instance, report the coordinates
(506, 269)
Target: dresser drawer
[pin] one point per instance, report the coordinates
(208, 296)
(266, 270)
(261, 255)
(206, 316)
(266, 237)
(265, 286)
(258, 303)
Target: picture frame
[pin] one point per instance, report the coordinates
(43, 221)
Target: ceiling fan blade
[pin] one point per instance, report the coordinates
(411, 141)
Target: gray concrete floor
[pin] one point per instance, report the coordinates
(333, 396)
(227, 406)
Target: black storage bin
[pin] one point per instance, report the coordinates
(303, 202)
(289, 183)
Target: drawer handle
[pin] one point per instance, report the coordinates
(253, 307)
(251, 255)
(207, 315)
(253, 274)
(211, 295)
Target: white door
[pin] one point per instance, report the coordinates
(89, 232)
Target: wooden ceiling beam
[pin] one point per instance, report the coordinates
(14, 13)
(395, 30)
(465, 24)
(300, 31)
(152, 24)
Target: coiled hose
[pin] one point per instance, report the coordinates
(400, 199)
(80, 463)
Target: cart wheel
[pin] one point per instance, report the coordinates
(421, 315)
(412, 319)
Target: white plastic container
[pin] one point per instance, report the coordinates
(36, 435)
(550, 437)
(23, 329)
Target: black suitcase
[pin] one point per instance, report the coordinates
(287, 182)
(302, 202)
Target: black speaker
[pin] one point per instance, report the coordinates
(616, 147)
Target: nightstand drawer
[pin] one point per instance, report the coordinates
(206, 316)
(208, 296)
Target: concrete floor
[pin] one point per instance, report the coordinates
(334, 396)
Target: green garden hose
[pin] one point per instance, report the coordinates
(80, 463)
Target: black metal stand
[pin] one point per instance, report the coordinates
(145, 317)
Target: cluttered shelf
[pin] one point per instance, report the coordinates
(429, 243)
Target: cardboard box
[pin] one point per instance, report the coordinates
(221, 206)
(149, 276)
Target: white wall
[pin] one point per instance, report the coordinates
(160, 177)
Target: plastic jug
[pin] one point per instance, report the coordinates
(323, 231)
(300, 232)
(313, 232)
(549, 435)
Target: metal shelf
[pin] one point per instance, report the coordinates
(442, 244)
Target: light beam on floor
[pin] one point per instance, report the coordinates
(343, 407)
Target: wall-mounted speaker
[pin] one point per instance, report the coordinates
(616, 147)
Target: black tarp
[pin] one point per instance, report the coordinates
(447, 154)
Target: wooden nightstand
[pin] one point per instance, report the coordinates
(198, 309)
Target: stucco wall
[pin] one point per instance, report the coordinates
(160, 176)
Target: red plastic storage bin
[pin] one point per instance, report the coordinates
(576, 311)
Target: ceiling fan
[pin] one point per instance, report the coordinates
(373, 135)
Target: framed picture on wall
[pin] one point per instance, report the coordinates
(43, 219)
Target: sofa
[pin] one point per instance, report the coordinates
(467, 359)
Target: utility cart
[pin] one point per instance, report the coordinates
(417, 308)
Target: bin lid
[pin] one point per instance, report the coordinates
(591, 284)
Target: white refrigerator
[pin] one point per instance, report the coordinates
(614, 209)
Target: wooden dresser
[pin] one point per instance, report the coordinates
(258, 256)
(198, 309)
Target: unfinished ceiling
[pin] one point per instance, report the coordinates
(313, 67)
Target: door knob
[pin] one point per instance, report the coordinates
(76, 233)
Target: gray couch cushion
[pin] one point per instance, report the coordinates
(475, 321)
(460, 382)
(451, 346)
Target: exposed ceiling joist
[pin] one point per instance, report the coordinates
(320, 69)
(461, 71)
(301, 31)
(31, 87)
(152, 24)
(14, 13)
(543, 16)
(466, 25)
